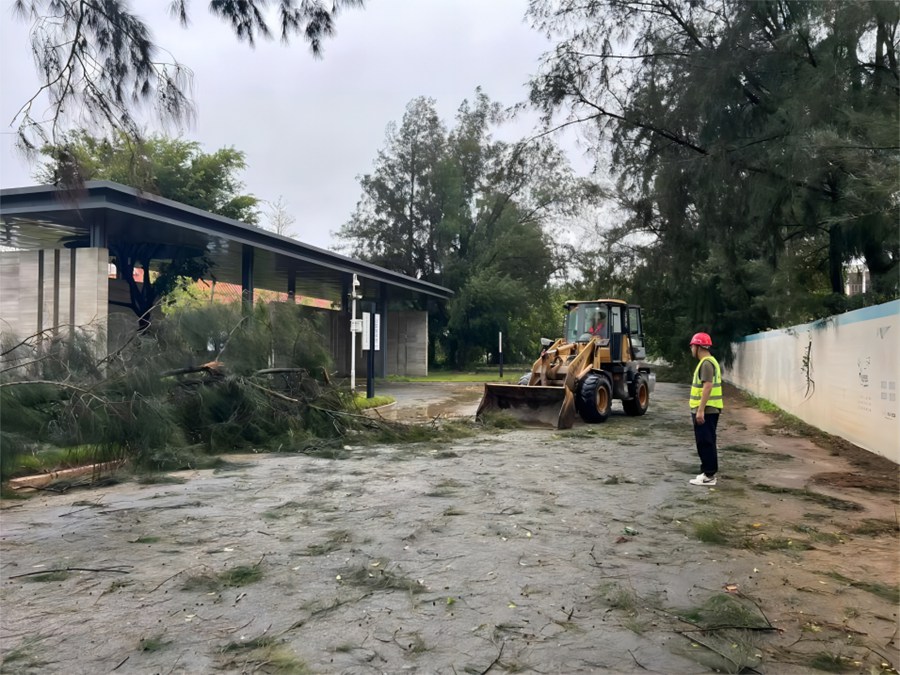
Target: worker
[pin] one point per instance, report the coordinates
(599, 325)
(706, 405)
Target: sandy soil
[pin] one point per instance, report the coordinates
(523, 551)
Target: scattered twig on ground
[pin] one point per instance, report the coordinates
(92, 506)
(639, 664)
(713, 629)
(74, 569)
(122, 662)
(496, 659)
(155, 588)
(172, 669)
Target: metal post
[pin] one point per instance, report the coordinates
(353, 331)
(370, 361)
(501, 355)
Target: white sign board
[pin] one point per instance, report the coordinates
(356, 325)
(366, 330)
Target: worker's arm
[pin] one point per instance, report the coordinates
(704, 397)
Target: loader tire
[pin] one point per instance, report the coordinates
(639, 403)
(594, 399)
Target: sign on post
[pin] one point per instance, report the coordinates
(366, 332)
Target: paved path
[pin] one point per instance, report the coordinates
(427, 400)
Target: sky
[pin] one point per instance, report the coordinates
(310, 127)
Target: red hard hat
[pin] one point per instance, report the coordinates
(701, 340)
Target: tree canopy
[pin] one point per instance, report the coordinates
(172, 168)
(456, 207)
(755, 146)
(98, 62)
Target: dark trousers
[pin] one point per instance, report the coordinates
(705, 435)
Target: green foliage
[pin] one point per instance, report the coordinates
(712, 531)
(153, 402)
(726, 610)
(755, 150)
(169, 167)
(460, 209)
(172, 168)
(98, 63)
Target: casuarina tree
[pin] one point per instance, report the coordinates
(754, 143)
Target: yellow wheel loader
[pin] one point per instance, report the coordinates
(600, 358)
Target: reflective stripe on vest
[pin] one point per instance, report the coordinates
(715, 396)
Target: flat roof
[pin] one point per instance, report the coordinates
(45, 216)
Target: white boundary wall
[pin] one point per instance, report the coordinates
(839, 374)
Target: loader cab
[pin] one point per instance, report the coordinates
(606, 319)
(592, 319)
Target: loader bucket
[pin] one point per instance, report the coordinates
(551, 406)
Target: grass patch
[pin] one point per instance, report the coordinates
(446, 454)
(241, 575)
(815, 535)
(452, 511)
(712, 531)
(145, 540)
(808, 495)
(874, 527)
(22, 657)
(326, 487)
(411, 643)
(52, 458)
(616, 596)
(263, 654)
(159, 479)
(336, 539)
(499, 420)
(364, 403)
(118, 584)
(889, 592)
(6, 492)
(446, 488)
(724, 610)
(750, 450)
(375, 578)
(831, 663)
(58, 575)
(764, 543)
(282, 510)
(616, 480)
(153, 644)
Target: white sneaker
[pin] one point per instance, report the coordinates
(702, 479)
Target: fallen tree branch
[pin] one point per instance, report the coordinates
(73, 569)
(213, 368)
(64, 385)
(272, 393)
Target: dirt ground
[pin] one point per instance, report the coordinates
(529, 550)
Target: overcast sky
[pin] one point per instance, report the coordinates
(310, 127)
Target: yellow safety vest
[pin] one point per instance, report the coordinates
(715, 396)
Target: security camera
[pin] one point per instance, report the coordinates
(355, 281)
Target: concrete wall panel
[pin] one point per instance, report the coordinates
(54, 289)
(839, 374)
(407, 344)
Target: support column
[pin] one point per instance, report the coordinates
(292, 286)
(247, 276)
(98, 231)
